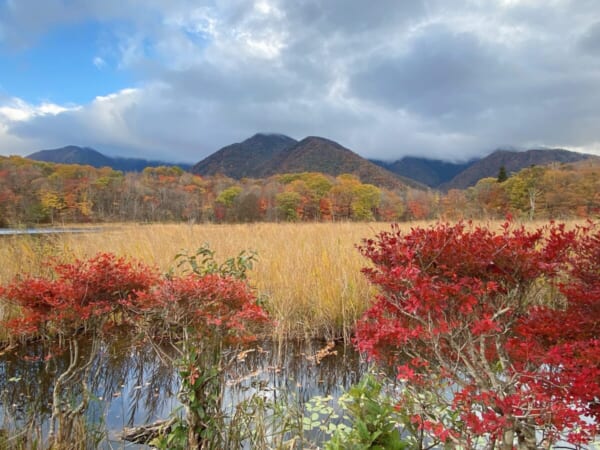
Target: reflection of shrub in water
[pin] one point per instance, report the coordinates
(46, 392)
(279, 380)
(84, 298)
(27, 390)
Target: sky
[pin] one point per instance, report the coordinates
(176, 80)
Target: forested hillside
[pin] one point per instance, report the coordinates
(512, 161)
(430, 172)
(264, 155)
(446, 175)
(554, 191)
(250, 158)
(37, 192)
(33, 192)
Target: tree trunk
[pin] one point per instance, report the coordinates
(526, 436)
(194, 427)
(507, 439)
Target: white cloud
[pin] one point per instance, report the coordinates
(99, 62)
(17, 110)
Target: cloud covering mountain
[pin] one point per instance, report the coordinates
(443, 79)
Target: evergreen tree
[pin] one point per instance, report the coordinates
(502, 176)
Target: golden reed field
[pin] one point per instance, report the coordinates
(309, 274)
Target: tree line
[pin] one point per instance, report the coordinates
(34, 192)
(554, 191)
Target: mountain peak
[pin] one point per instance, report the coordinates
(271, 135)
(318, 154)
(248, 158)
(266, 154)
(319, 139)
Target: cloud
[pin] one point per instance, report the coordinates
(441, 72)
(99, 62)
(450, 79)
(590, 40)
(14, 112)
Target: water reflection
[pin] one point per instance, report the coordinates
(44, 231)
(131, 386)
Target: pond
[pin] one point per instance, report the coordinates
(35, 231)
(131, 386)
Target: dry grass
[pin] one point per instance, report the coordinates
(308, 273)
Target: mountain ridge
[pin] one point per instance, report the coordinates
(512, 161)
(73, 154)
(267, 154)
(318, 154)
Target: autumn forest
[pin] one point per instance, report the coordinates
(33, 192)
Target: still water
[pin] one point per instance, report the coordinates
(44, 231)
(131, 386)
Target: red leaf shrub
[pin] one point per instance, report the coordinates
(472, 315)
(80, 292)
(211, 305)
(559, 348)
(93, 289)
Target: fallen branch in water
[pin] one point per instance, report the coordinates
(146, 433)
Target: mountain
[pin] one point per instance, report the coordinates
(512, 161)
(263, 155)
(317, 154)
(73, 154)
(431, 172)
(250, 158)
